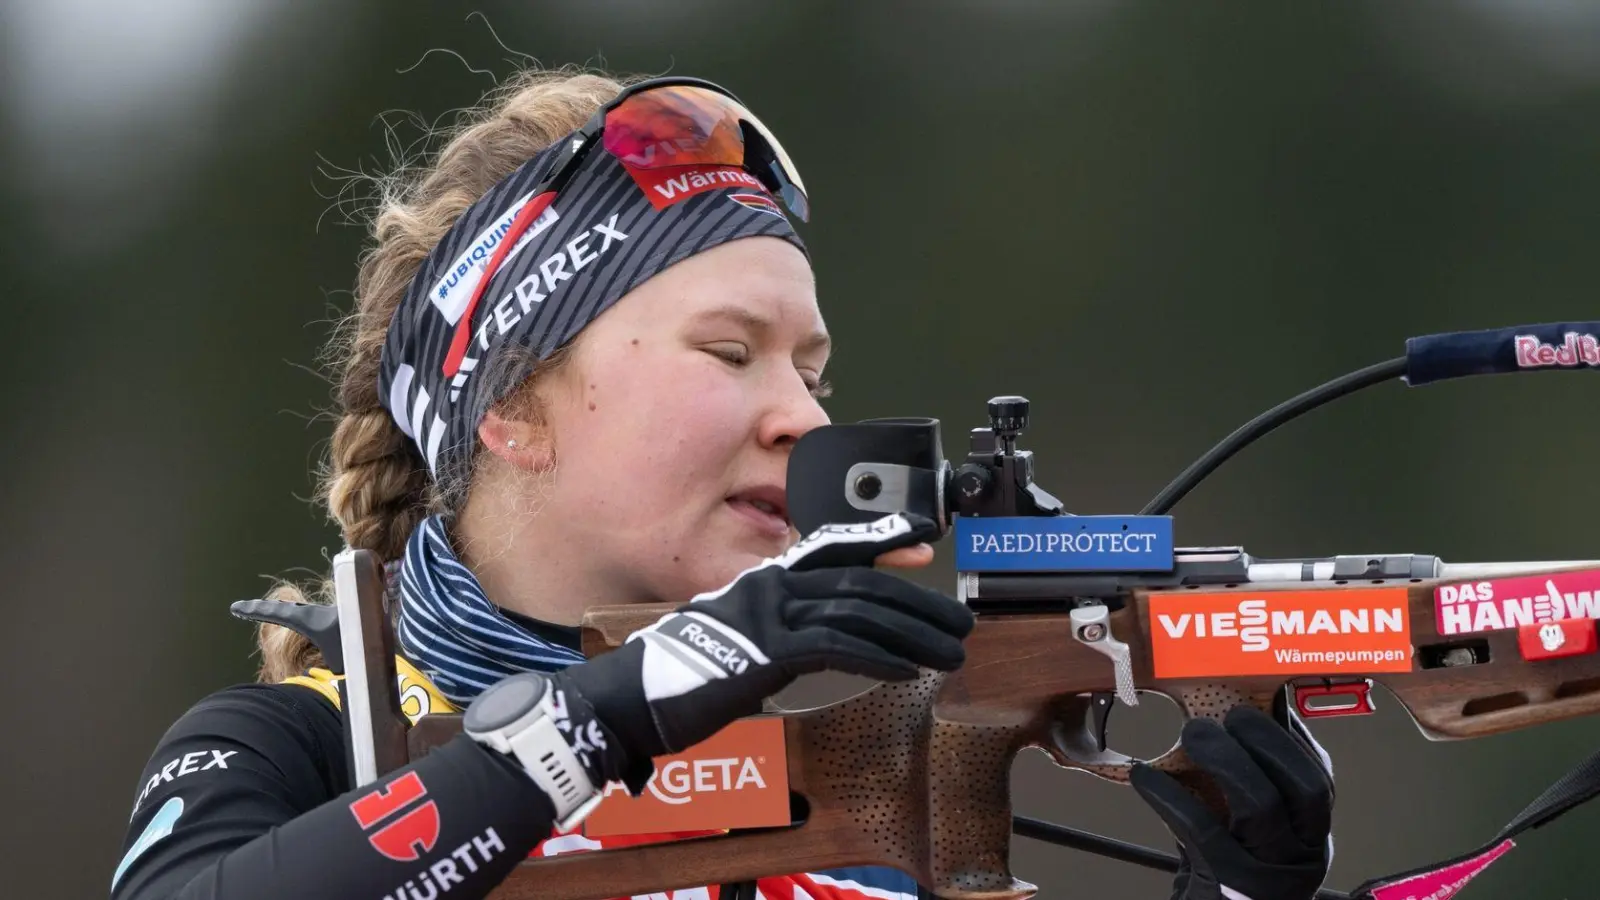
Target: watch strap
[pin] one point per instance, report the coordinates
(548, 759)
(535, 741)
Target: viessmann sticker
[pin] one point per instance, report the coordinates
(1324, 632)
(1513, 602)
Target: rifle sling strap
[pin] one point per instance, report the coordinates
(1443, 879)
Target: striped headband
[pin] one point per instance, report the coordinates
(611, 227)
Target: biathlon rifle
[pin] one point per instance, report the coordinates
(1076, 614)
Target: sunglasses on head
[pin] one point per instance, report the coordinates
(655, 124)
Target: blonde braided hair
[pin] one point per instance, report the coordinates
(374, 482)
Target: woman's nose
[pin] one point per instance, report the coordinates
(797, 413)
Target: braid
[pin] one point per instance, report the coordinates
(378, 491)
(375, 483)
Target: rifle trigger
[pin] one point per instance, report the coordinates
(1091, 626)
(1357, 697)
(1100, 708)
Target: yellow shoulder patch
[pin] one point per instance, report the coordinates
(418, 696)
(319, 680)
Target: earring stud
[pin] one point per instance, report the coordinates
(512, 444)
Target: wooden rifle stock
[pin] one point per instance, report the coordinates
(916, 775)
(882, 781)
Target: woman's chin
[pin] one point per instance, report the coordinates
(731, 565)
(740, 551)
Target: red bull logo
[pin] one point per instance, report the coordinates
(1576, 350)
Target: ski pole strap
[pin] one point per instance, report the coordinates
(1441, 880)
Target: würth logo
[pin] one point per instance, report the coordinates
(408, 835)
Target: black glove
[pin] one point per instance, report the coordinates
(1279, 786)
(819, 606)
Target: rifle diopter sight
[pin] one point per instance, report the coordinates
(860, 472)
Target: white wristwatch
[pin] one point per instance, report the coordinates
(515, 716)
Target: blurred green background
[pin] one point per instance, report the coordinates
(1154, 220)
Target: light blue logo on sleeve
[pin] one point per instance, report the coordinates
(1064, 543)
(160, 826)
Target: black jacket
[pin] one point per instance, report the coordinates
(249, 795)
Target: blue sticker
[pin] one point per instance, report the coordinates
(160, 826)
(1064, 544)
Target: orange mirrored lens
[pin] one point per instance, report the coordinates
(675, 126)
(684, 125)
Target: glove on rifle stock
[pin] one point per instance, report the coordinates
(819, 606)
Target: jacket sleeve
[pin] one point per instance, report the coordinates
(241, 799)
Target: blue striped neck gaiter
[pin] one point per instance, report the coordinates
(451, 632)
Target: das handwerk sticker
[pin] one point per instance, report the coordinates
(1513, 602)
(1200, 635)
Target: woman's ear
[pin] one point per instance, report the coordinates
(523, 445)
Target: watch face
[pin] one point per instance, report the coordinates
(505, 702)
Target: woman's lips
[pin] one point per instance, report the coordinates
(759, 514)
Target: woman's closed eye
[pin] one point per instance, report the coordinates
(738, 355)
(730, 352)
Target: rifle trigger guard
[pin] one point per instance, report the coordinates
(1091, 627)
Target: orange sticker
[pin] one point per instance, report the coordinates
(1324, 632)
(737, 778)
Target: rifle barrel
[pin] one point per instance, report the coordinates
(1235, 568)
(1505, 569)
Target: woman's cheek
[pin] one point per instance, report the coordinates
(707, 403)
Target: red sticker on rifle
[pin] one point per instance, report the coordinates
(1554, 640)
(1332, 631)
(737, 778)
(1500, 603)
